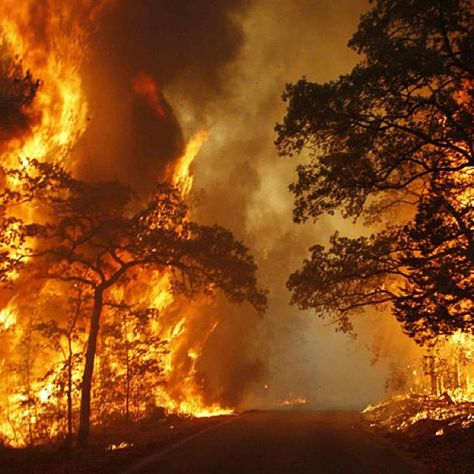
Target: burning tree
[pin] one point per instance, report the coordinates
(17, 91)
(392, 143)
(98, 236)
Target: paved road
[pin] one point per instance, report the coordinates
(290, 442)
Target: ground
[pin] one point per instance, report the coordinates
(291, 441)
(274, 442)
(102, 457)
(436, 430)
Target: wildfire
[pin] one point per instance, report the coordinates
(293, 402)
(183, 331)
(59, 117)
(60, 107)
(439, 388)
(404, 411)
(8, 317)
(181, 173)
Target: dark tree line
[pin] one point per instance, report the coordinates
(392, 143)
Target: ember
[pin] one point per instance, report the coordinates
(293, 402)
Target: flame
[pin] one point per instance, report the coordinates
(144, 86)
(181, 175)
(116, 447)
(182, 394)
(51, 40)
(48, 38)
(60, 105)
(8, 317)
(294, 402)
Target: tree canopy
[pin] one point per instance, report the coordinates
(17, 92)
(103, 230)
(391, 143)
(96, 236)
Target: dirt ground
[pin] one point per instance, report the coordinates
(107, 453)
(439, 432)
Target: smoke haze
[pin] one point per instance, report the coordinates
(156, 73)
(242, 184)
(186, 43)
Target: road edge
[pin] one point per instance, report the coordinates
(147, 460)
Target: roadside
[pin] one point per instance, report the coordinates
(437, 431)
(107, 454)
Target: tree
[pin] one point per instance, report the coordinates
(95, 235)
(17, 92)
(130, 361)
(61, 338)
(392, 143)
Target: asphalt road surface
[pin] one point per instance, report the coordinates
(293, 442)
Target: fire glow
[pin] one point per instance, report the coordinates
(58, 119)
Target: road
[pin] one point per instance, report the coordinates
(292, 442)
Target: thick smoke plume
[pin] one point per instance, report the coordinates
(137, 51)
(244, 186)
(161, 70)
(157, 71)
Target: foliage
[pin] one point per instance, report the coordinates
(130, 361)
(392, 141)
(17, 92)
(95, 236)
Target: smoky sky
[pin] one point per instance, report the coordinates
(222, 66)
(181, 42)
(242, 183)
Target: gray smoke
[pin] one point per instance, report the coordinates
(222, 66)
(181, 42)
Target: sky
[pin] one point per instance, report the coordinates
(242, 183)
(221, 67)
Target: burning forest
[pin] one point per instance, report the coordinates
(158, 280)
(79, 256)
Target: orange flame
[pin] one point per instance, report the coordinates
(181, 175)
(145, 87)
(60, 101)
(54, 56)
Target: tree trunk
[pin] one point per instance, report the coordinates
(28, 386)
(127, 388)
(69, 392)
(84, 423)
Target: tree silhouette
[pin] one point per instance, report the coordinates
(94, 235)
(11, 239)
(61, 339)
(391, 140)
(129, 341)
(17, 92)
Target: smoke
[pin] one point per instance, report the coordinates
(157, 72)
(242, 184)
(138, 49)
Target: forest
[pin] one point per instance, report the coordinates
(113, 282)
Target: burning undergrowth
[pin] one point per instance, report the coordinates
(78, 92)
(437, 430)
(415, 413)
(431, 411)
